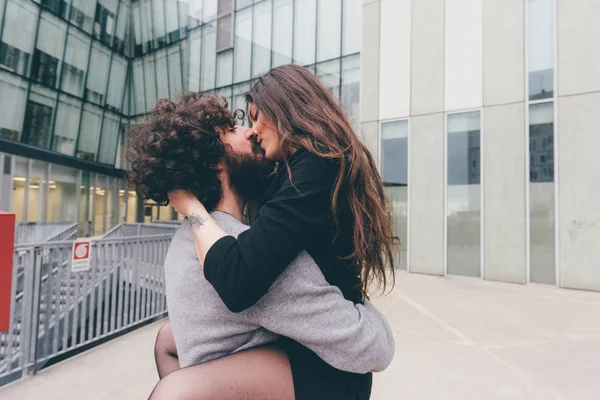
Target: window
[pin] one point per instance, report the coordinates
(209, 56)
(227, 94)
(239, 99)
(38, 122)
(44, 68)
(243, 45)
(224, 68)
(225, 25)
(463, 194)
(121, 32)
(394, 165)
(146, 27)
(49, 51)
(120, 161)
(67, 125)
(175, 77)
(242, 4)
(209, 12)
(540, 31)
(138, 49)
(329, 73)
(58, 7)
(541, 193)
(116, 87)
(283, 13)
(394, 153)
(62, 194)
(109, 138)
(305, 26)
(162, 75)
(194, 13)
(193, 75)
(82, 14)
(104, 24)
(157, 23)
(328, 29)
(12, 105)
(350, 93)
(352, 27)
(172, 21)
(150, 89)
(97, 75)
(19, 33)
(73, 78)
(20, 189)
(14, 59)
(89, 133)
(138, 91)
(261, 42)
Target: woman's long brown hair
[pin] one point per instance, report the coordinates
(308, 116)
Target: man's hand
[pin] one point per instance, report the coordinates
(186, 203)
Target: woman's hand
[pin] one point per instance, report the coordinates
(186, 203)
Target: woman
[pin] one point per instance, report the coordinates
(327, 198)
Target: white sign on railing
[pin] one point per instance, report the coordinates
(81, 260)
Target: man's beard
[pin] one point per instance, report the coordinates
(249, 175)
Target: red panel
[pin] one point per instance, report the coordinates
(7, 241)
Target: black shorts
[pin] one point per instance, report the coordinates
(314, 379)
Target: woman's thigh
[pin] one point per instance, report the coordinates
(262, 373)
(165, 351)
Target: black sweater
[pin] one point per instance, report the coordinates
(295, 217)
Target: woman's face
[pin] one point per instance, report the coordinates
(266, 133)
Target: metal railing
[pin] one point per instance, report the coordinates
(55, 311)
(35, 232)
(137, 229)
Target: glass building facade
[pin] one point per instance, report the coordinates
(484, 116)
(74, 74)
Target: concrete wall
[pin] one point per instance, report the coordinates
(503, 52)
(369, 67)
(431, 57)
(395, 59)
(579, 191)
(578, 52)
(504, 193)
(369, 87)
(427, 57)
(426, 191)
(463, 54)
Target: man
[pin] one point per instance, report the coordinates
(193, 145)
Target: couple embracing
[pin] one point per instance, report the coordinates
(287, 230)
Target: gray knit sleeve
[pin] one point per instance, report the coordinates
(303, 306)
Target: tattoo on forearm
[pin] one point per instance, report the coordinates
(197, 221)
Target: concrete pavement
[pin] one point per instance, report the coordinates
(456, 338)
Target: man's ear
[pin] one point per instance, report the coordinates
(218, 167)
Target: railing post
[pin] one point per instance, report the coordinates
(35, 321)
(30, 314)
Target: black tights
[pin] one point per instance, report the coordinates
(165, 352)
(261, 373)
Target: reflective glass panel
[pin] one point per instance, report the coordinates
(243, 45)
(305, 26)
(464, 194)
(540, 26)
(282, 32)
(394, 163)
(329, 27)
(541, 193)
(261, 52)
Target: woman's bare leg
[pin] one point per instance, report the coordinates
(165, 352)
(262, 373)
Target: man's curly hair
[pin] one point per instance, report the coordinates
(177, 146)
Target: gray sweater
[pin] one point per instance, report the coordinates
(300, 305)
